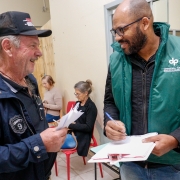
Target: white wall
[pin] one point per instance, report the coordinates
(33, 7)
(79, 46)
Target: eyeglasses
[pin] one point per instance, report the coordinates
(39, 103)
(77, 94)
(120, 30)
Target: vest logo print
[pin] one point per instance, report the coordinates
(17, 124)
(173, 63)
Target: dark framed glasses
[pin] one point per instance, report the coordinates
(120, 30)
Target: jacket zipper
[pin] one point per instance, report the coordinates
(144, 101)
(145, 120)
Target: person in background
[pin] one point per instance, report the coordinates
(142, 90)
(52, 100)
(84, 125)
(27, 146)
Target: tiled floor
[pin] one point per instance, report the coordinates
(79, 171)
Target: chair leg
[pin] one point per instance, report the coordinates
(84, 160)
(100, 167)
(68, 166)
(56, 169)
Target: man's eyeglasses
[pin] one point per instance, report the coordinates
(39, 103)
(120, 30)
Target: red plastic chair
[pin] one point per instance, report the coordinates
(70, 105)
(55, 163)
(94, 144)
(56, 168)
(72, 151)
(68, 153)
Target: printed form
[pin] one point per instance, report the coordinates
(130, 149)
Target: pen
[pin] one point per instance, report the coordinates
(55, 121)
(113, 120)
(110, 117)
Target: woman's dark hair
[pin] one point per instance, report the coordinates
(84, 86)
(49, 79)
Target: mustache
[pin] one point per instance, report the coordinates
(34, 59)
(123, 41)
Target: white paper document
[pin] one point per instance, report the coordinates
(130, 149)
(70, 117)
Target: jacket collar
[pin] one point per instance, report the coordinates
(87, 102)
(6, 90)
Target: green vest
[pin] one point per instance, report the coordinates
(164, 101)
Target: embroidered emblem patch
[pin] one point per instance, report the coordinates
(17, 124)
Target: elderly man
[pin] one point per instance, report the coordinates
(142, 90)
(27, 145)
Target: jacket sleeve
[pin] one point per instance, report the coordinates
(176, 134)
(109, 103)
(91, 114)
(15, 157)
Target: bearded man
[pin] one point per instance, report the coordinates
(141, 90)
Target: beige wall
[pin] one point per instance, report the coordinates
(164, 12)
(33, 7)
(160, 10)
(79, 48)
(174, 14)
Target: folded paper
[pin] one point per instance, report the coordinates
(69, 118)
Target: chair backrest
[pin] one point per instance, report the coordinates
(70, 104)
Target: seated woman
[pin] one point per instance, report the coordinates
(52, 101)
(84, 125)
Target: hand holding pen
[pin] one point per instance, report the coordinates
(115, 129)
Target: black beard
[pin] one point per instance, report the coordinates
(137, 43)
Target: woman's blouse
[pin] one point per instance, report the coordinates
(53, 98)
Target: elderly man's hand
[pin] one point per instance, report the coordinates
(115, 130)
(52, 139)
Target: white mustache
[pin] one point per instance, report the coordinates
(33, 60)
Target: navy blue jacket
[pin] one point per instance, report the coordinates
(22, 152)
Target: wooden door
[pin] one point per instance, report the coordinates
(45, 64)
